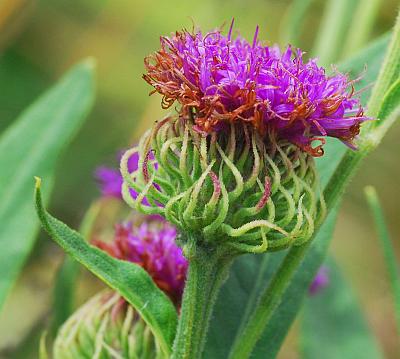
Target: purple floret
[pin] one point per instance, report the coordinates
(110, 179)
(220, 80)
(152, 246)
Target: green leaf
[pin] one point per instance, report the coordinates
(67, 275)
(21, 82)
(129, 279)
(242, 290)
(388, 250)
(32, 146)
(333, 320)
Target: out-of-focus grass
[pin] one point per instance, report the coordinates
(42, 38)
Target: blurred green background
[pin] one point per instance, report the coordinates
(39, 40)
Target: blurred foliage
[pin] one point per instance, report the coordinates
(332, 320)
(40, 39)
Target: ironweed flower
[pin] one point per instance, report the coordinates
(236, 161)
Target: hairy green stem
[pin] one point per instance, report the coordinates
(208, 269)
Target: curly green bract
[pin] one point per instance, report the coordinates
(231, 188)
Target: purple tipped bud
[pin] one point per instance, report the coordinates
(320, 281)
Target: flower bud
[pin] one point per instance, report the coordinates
(105, 327)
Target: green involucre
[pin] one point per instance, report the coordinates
(227, 188)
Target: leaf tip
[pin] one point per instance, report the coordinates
(42, 346)
(370, 191)
(90, 63)
(38, 182)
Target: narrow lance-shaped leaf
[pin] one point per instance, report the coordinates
(129, 279)
(388, 250)
(42, 347)
(67, 275)
(333, 320)
(31, 147)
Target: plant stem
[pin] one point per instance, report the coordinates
(207, 271)
(269, 301)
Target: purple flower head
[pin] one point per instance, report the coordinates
(219, 80)
(152, 246)
(110, 179)
(320, 281)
